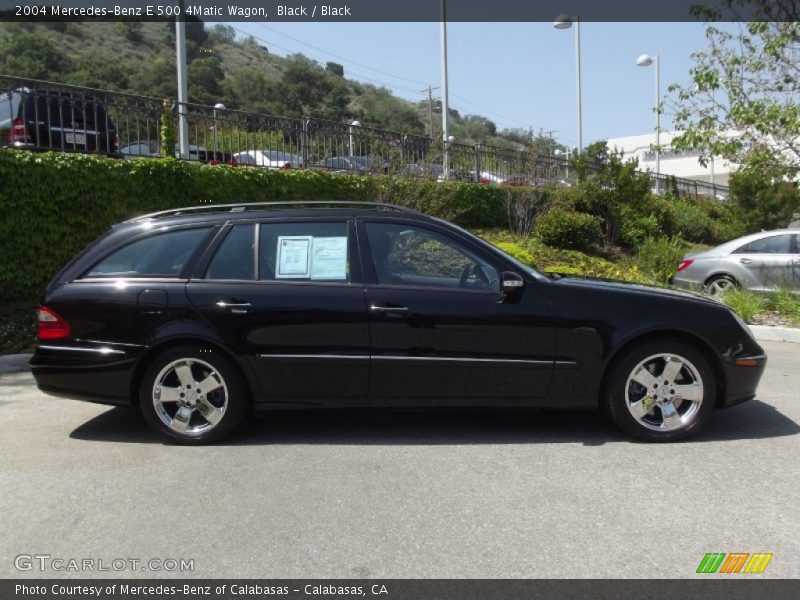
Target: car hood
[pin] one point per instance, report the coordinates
(636, 288)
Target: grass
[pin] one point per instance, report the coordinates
(745, 303)
(778, 307)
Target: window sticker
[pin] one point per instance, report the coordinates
(329, 258)
(294, 256)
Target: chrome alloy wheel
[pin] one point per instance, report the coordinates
(664, 392)
(719, 286)
(190, 396)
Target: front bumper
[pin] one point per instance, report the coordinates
(741, 378)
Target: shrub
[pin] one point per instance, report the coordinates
(691, 222)
(636, 227)
(569, 229)
(660, 257)
(518, 252)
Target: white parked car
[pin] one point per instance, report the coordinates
(272, 159)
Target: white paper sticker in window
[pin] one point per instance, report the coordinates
(294, 256)
(329, 258)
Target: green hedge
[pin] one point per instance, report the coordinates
(54, 204)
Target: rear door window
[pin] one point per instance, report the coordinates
(163, 255)
(235, 258)
(776, 244)
(304, 251)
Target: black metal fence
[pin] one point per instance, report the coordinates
(46, 115)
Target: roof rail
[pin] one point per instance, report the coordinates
(241, 207)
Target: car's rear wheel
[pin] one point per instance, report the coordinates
(660, 391)
(719, 284)
(192, 396)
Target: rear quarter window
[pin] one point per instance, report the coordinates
(159, 255)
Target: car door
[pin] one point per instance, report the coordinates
(288, 296)
(795, 250)
(441, 330)
(766, 263)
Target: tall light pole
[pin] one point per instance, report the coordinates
(353, 124)
(445, 109)
(565, 22)
(183, 84)
(217, 106)
(645, 60)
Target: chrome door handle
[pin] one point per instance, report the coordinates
(389, 309)
(746, 261)
(237, 308)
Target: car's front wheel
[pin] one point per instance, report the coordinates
(661, 391)
(192, 396)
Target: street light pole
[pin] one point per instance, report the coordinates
(645, 60)
(183, 84)
(218, 106)
(565, 22)
(353, 124)
(445, 109)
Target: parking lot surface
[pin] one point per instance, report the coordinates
(402, 494)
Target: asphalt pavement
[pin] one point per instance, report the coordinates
(386, 494)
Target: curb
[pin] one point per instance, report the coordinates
(765, 333)
(13, 363)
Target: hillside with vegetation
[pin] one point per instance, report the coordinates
(227, 67)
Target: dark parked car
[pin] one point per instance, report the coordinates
(52, 120)
(198, 314)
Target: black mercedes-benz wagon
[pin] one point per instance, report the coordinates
(198, 314)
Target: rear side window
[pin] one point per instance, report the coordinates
(776, 244)
(235, 258)
(160, 255)
(304, 251)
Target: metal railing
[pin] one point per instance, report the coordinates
(46, 115)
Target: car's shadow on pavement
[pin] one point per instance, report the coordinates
(754, 420)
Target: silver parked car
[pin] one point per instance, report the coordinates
(760, 262)
(272, 159)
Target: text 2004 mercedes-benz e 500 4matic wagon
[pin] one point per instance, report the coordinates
(198, 314)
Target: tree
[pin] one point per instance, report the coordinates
(130, 30)
(607, 188)
(763, 201)
(335, 68)
(741, 104)
(31, 55)
(205, 76)
(223, 34)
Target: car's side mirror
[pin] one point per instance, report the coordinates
(511, 283)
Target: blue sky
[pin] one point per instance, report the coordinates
(517, 74)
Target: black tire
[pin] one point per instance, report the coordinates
(616, 402)
(715, 284)
(230, 398)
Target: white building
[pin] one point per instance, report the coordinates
(680, 163)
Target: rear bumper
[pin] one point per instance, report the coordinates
(101, 375)
(685, 282)
(741, 379)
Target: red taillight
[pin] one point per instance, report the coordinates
(18, 133)
(684, 264)
(51, 325)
